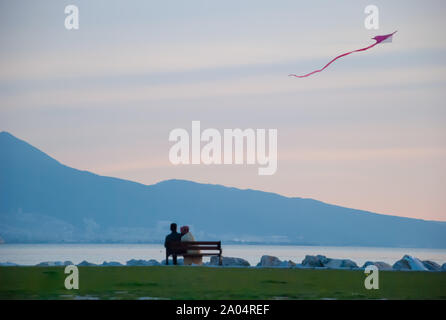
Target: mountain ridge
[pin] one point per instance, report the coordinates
(45, 200)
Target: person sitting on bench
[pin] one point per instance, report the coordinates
(186, 235)
(174, 236)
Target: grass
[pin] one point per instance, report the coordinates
(179, 282)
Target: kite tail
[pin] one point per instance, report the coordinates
(340, 56)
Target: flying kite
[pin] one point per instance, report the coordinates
(378, 39)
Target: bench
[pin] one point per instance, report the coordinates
(210, 248)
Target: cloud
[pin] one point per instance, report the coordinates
(248, 85)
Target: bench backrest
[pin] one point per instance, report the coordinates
(195, 245)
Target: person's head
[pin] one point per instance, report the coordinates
(184, 229)
(173, 227)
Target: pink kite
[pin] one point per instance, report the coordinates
(378, 39)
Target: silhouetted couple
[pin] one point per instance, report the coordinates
(173, 242)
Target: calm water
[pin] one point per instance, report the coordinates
(31, 254)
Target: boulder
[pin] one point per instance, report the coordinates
(409, 263)
(320, 261)
(333, 263)
(323, 259)
(50, 264)
(8, 264)
(180, 262)
(111, 264)
(86, 264)
(313, 261)
(288, 264)
(379, 264)
(153, 262)
(347, 263)
(135, 262)
(340, 264)
(401, 265)
(229, 261)
(269, 261)
(431, 265)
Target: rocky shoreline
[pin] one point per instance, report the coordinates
(407, 263)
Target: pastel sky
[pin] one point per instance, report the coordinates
(367, 133)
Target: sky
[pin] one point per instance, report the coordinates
(367, 133)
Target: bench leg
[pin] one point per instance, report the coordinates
(220, 262)
(174, 257)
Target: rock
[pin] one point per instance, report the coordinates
(379, 264)
(150, 262)
(313, 261)
(334, 264)
(269, 261)
(409, 263)
(50, 264)
(135, 262)
(8, 264)
(347, 263)
(111, 264)
(340, 264)
(180, 262)
(153, 262)
(86, 264)
(322, 261)
(431, 265)
(287, 264)
(229, 261)
(401, 265)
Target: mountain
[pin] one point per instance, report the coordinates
(42, 200)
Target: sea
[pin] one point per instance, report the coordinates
(32, 254)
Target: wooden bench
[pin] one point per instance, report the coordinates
(210, 248)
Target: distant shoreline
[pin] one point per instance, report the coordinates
(230, 243)
(352, 258)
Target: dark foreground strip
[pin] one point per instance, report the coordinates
(224, 309)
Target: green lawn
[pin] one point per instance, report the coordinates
(216, 283)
